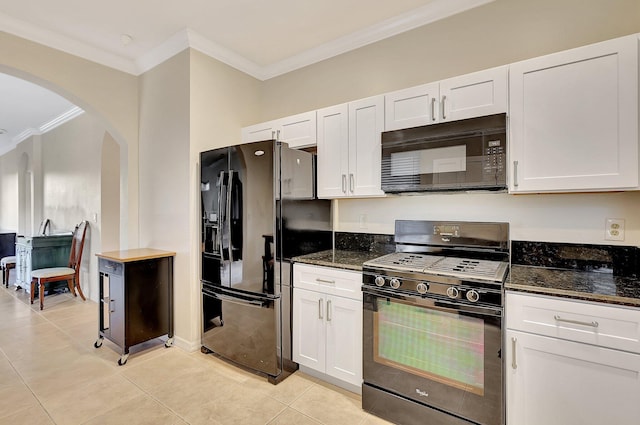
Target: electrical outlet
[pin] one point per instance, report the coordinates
(362, 221)
(614, 229)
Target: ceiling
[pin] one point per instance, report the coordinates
(261, 38)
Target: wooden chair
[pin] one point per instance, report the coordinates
(71, 273)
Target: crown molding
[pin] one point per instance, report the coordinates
(66, 44)
(187, 38)
(47, 126)
(60, 119)
(434, 11)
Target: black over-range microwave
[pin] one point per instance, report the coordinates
(468, 154)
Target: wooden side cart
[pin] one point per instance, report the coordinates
(136, 297)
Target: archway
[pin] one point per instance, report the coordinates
(32, 166)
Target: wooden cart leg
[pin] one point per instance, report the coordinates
(33, 290)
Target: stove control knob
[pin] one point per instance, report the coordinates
(379, 281)
(422, 288)
(395, 283)
(473, 296)
(452, 292)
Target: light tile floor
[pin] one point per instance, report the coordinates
(50, 373)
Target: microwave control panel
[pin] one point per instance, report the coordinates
(494, 158)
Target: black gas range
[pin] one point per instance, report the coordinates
(432, 328)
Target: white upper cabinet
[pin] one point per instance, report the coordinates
(349, 149)
(298, 131)
(366, 122)
(333, 152)
(259, 132)
(574, 119)
(471, 95)
(411, 107)
(474, 95)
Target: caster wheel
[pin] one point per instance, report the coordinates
(205, 350)
(123, 360)
(169, 343)
(98, 343)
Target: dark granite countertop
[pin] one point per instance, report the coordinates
(606, 274)
(341, 259)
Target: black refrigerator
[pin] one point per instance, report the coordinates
(259, 209)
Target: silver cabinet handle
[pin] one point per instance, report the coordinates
(109, 300)
(433, 109)
(278, 135)
(513, 349)
(328, 310)
(320, 305)
(515, 173)
(273, 135)
(331, 282)
(344, 183)
(593, 324)
(351, 182)
(444, 98)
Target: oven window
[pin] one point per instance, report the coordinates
(429, 161)
(435, 344)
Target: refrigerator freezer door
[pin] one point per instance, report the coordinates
(242, 328)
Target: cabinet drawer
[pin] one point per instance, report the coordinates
(592, 323)
(110, 267)
(331, 281)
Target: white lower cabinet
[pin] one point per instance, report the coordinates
(327, 328)
(565, 364)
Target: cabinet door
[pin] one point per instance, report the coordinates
(259, 132)
(556, 382)
(344, 339)
(117, 308)
(411, 107)
(309, 313)
(333, 159)
(574, 119)
(366, 123)
(474, 95)
(298, 131)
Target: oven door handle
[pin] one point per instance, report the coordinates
(434, 302)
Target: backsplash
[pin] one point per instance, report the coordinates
(376, 243)
(619, 260)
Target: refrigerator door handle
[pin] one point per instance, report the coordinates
(228, 215)
(243, 299)
(219, 237)
(257, 304)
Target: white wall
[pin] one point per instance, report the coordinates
(499, 33)
(9, 191)
(110, 96)
(164, 178)
(575, 218)
(71, 172)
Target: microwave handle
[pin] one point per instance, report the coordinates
(515, 173)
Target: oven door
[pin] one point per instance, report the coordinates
(462, 155)
(437, 353)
